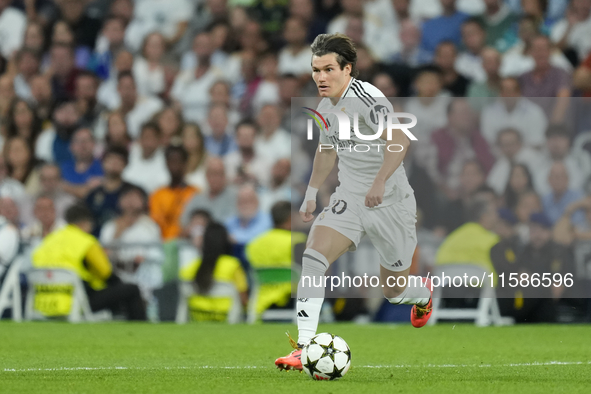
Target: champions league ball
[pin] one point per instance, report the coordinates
(326, 357)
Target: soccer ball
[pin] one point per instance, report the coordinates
(326, 357)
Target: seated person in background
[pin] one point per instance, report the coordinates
(84, 172)
(103, 199)
(477, 234)
(135, 228)
(273, 249)
(9, 243)
(561, 196)
(50, 176)
(167, 203)
(220, 198)
(45, 222)
(215, 265)
(74, 249)
(250, 221)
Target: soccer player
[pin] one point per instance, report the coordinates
(373, 198)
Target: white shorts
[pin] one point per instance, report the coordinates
(391, 229)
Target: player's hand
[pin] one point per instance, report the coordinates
(375, 195)
(306, 210)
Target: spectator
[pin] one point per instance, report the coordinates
(247, 164)
(215, 265)
(222, 44)
(62, 33)
(190, 85)
(108, 94)
(171, 123)
(28, 63)
(411, 52)
(108, 45)
(558, 148)
(445, 59)
(53, 144)
(280, 186)
(273, 142)
(148, 70)
(249, 221)
(103, 199)
(520, 182)
(137, 109)
(273, 249)
(12, 29)
(267, 91)
(469, 61)
(50, 177)
(45, 221)
(572, 31)
(84, 25)
(481, 93)
(511, 110)
(42, 96)
(457, 143)
(527, 204)
(220, 142)
(134, 239)
(63, 70)
(83, 173)
(23, 122)
(295, 56)
(512, 151)
(546, 80)
(117, 135)
(34, 38)
(478, 233)
(305, 10)
(556, 202)
(167, 203)
(9, 208)
(147, 164)
(87, 258)
(9, 244)
(385, 84)
(220, 93)
(446, 27)
(170, 18)
(86, 87)
(498, 20)
(518, 59)
(20, 163)
(220, 198)
(582, 77)
(194, 144)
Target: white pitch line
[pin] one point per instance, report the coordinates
(532, 364)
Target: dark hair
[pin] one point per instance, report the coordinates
(152, 126)
(77, 213)
(61, 44)
(135, 189)
(215, 244)
(89, 74)
(28, 51)
(31, 163)
(201, 212)
(36, 122)
(248, 123)
(509, 130)
(339, 44)
(477, 208)
(172, 149)
(281, 212)
(117, 151)
(125, 74)
(510, 195)
(428, 69)
(557, 130)
(475, 20)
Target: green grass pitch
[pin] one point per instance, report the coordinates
(210, 358)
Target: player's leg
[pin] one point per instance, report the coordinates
(324, 246)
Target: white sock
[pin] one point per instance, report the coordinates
(310, 294)
(414, 294)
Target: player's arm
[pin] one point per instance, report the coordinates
(392, 161)
(324, 160)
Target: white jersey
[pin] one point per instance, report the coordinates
(358, 168)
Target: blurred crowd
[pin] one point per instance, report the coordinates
(151, 111)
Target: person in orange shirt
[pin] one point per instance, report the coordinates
(167, 203)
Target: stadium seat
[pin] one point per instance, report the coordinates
(487, 311)
(269, 276)
(59, 303)
(218, 290)
(10, 292)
